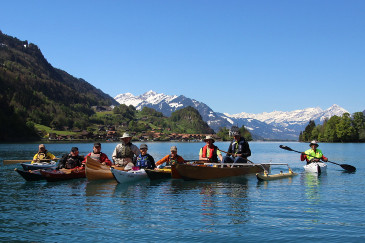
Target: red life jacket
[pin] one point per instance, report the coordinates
(212, 153)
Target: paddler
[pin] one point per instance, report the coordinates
(97, 155)
(71, 160)
(239, 149)
(209, 151)
(43, 154)
(170, 159)
(145, 160)
(125, 152)
(313, 154)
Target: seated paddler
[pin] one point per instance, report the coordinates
(170, 159)
(43, 155)
(238, 150)
(209, 151)
(313, 154)
(71, 160)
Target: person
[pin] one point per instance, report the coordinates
(71, 160)
(170, 159)
(125, 152)
(238, 150)
(313, 154)
(209, 151)
(145, 160)
(96, 154)
(43, 154)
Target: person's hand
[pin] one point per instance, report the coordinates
(325, 160)
(103, 163)
(303, 153)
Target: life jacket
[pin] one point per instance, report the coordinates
(172, 161)
(212, 153)
(142, 161)
(313, 155)
(125, 151)
(95, 156)
(72, 162)
(41, 155)
(240, 147)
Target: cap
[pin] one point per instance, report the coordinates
(173, 148)
(74, 149)
(236, 134)
(42, 146)
(143, 146)
(97, 145)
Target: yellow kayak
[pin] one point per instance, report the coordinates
(281, 175)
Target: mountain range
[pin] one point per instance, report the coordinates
(276, 125)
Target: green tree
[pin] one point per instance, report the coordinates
(345, 131)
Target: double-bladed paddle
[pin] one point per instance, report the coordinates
(349, 168)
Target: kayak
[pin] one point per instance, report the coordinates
(316, 167)
(63, 174)
(281, 175)
(39, 165)
(30, 175)
(164, 173)
(214, 171)
(128, 176)
(97, 171)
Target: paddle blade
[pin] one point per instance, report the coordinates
(348, 168)
(285, 147)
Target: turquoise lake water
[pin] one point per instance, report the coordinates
(305, 208)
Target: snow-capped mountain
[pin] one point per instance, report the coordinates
(279, 125)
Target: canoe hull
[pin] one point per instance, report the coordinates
(315, 167)
(128, 176)
(203, 172)
(30, 175)
(159, 174)
(62, 175)
(97, 171)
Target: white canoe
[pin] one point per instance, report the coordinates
(316, 167)
(128, 176)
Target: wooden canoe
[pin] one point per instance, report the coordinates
(63, 174)
(159, 174)
(281, 175)
(30, 175)
(97, 171)
(214, 171)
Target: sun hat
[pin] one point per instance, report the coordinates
(209, 138)
(126, 135)
(143, 146)
(173, 148)
(314, 142)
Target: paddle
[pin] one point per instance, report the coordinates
(9, 162)
(349, 168)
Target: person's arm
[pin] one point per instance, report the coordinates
(163, 160)
(180, 159)
(325, 159)
(104, 159)
(219, 154)
(303, 156)
(35, 158)
(50, 155)
(62, 162)
(114, 155)
(84, 161)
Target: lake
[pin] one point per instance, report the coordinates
(305, 208)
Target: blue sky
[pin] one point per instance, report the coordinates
(235, 56)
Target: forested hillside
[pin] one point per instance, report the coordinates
(33, 92)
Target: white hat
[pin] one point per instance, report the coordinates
(314, 142)
(126, 135)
